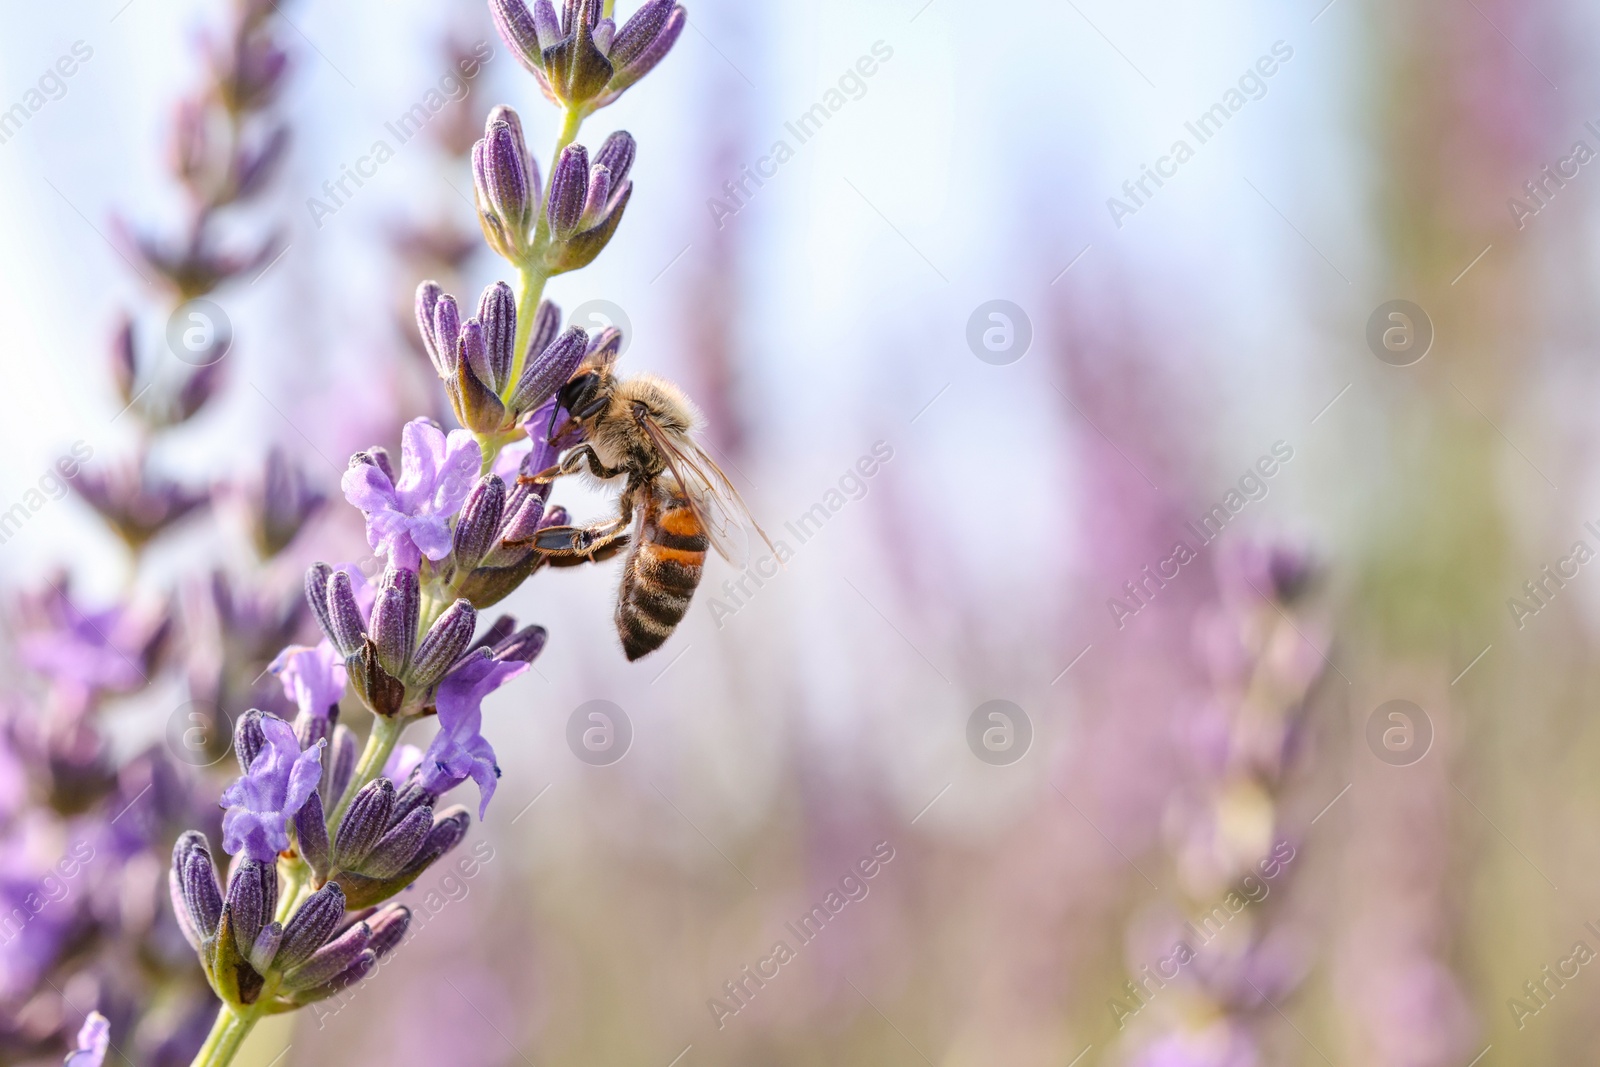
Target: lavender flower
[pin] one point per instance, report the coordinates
(278, 506)
(587, 201)
(1242, 742)
(313, 677)
(476, 359)
(88, 653)
(93, 1040)
(411, 519)
(460, 750)
(456, 528)
(276, 782)
(584, 62)
(135, 502)
(246, 952)
(506, 179)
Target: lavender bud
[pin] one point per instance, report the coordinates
(125, 361)
(311, 925)
(398, 847)
(193, 885)
(358, 970)
(256, 166)
(381, 691)
(639, 31)
(248, 739)
(388, 929)
(342, 760)
(317, 577)
(345, 628)
(505, 115)
(580, 249)
(549, 370)
(497, 311)
(616, 155)
(411, 797)
(446, 834)
(605, 347)
(199, 387)
(446, 333)
(363, 823)
(476, 405)
(266, 946)
(394, 618)
(525, 523)
(247, 901)
(520, 29)
(594, 201)
(329, 960)
(428, 294)
(507, 193)
(475, 350)
(523, 646)
(446, 639)
(546, 324)
(310, 729)
(285, 503)
(546, 24)
(498, 631)
(576, 70)
(568, 188)
(644, 41)
(478, 523)
(311, 834)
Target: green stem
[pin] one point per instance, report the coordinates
(386, 730)
(294, 882)
(531, 273)
(227, 1035)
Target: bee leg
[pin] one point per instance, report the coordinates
(569, 465)
(579, 540)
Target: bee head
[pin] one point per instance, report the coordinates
(581, 397)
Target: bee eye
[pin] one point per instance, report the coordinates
(578, 391)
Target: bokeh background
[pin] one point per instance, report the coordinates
(1444, 863)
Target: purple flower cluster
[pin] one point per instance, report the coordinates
(582, 60)
(1232, 849)
(82, 829)
(409, 517)
(325, 829)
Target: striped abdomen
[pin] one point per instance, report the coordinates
(661, 573)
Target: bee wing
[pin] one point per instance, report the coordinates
(716, 503)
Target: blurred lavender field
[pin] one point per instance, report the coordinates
(1176, 426)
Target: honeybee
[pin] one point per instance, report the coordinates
(640, 427)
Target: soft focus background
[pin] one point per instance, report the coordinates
(1442, 875)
